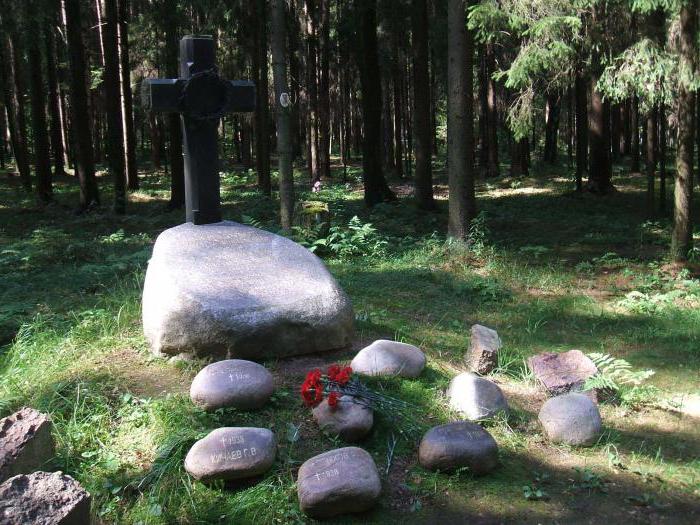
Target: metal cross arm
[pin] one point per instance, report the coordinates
(201, 97)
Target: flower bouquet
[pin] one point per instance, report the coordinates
(339, 381)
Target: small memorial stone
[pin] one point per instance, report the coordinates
(232, 383)
(348, 420)
(572, 418)
(26, 443)
(455, 445)
(482, 356)
(389, 358)
(562, 373)
(44, 498)
(232, 453)
(340, 481)
(475, 397)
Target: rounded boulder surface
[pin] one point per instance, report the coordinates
(340, 481)
(455, 445)
(231, 453)
(475, 397)
(232, 383)
(572, 419)
(348, 420)
(389, 358)
(226, 290)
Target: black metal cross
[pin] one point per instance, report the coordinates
(201, 97)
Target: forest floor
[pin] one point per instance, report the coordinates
(552, 271)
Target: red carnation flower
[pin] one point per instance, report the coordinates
(333, 399)
(343, 376)
(333, 372)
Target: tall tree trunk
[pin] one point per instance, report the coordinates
(421, 105)
(324, 109)
(375, 186)
(627, 127)
(493, 167)
(37, 93)
(14, 100)
(282, 112)
(483, 111)
(89, 194)
(615, 132)
(551, 128)
(397, 83)
(262, 134)
(3, 128)
(460, 56)
(311, 34)
(651, 142)
(682, 235)
(57, 145)
(127, 106)
(662, 158)
(634, 124)
(581, 129)
(168, 17)
(115, 131)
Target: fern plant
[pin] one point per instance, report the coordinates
(616, 376)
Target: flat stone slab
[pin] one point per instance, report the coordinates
(26, 443)
(456, 445)
(389, 358)
(484, 344)
(562, 373)
(475, 397)
(44, 498)
(231, 453)
(340, 481)
(348, 420)
(572, 419)
(232, 383)
(226, 290)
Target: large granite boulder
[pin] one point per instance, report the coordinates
(236, 383)
(26, 443)
(348, 420)
(339, 481)
(44, 498)
(389, 358)
(572, 419)
(231, 453)
(456, 445)
(562, 373)
(227, 290)
(475, 397)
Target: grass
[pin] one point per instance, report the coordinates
(551, 271)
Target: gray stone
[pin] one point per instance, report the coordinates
(484, 344)
(389, 358)
(475, 397)
(455, 445)
(562, 373)
(348, 420)
(232, 453)
(232, 383)
(340, 481)
(44, 498)
(26, 443)
(572, 418)
(226, 290)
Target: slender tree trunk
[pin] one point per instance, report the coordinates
(627, 127)
(37, 93)
(132, 177)
(651, 141)
(262, 134)
(682, 235)
(493, 167)
(14, 101)
(662, 158)
(551, 128)
(324, 109)
(282, 112)
(581, 129)
(168, 16)
(634, 124)
(115, 131)
(421, 105)
(89, 194)
(375, 186)
(483, 111)
(57, 145)
(3, 128)
(311, 20)
(397, 82)
(460, 89)
(615, 132)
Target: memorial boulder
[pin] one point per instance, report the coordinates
(232, 383)
(26, 443)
